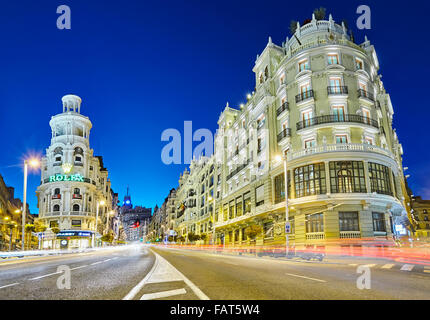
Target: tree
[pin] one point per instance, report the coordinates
(293, 26)
(203, 236)
(29, 228)
(320, 13)
(253, 231)
(107, 237)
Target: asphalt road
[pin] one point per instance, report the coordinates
(144, 273)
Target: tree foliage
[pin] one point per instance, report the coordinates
(293, 26)
(320, 13)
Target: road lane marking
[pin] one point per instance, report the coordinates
(44, 276)
(9, 285)
(107, 260)
(94, 263)
(114, 258)
(163, 294)
(369, 265)
(299, 276)
(80, 267)
(163, 271)
(388, 266)
(407, 267)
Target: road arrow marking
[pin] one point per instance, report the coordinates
(407, 267)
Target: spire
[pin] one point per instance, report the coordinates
(270, 43)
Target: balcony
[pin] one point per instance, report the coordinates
(238, 169)
(78, 164)
(315, 236)
(350, 234)
(284, 133)
(56, 196)
(282, 108)
(366, 95)
(339, 147)
(337, 90)
(304, 96)
(331, 118)
(77, 196)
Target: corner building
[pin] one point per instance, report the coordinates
(74, 182)
(319, 100)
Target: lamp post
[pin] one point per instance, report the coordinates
(34, 163)
(99, 203)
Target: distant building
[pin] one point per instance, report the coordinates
(421, 215)
(134, 220)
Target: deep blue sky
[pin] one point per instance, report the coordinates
(143, 66)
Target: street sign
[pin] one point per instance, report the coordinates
(287, 227)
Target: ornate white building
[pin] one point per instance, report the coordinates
(74, 182)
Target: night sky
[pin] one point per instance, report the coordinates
(143, 66)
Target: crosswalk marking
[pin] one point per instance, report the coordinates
(388, 266)
(163, 294)
(407, 267)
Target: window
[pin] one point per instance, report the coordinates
(341, 138)
(310, 180)
(309, 143)
(77, 191)
(358, 64)
(368, 140)
(56, 208)
(378, 222)
(239, 206)
(243, 234)
(247, 202)
(366, 115)
(225, 212)
(347, 176)
(303, 65)
(348, 221)
(315, 222)
(268, 230)
(280, 187)
(335, 84)
(57, 191)
(259, 195)
(305, 90)
(231, 211)
(236, 235)
(76, 207)
(281, 79)
(307, 118)
(339, 113)
(57, 159)
(380, 178)
(53, 224)
(76, 223)
(333, 59)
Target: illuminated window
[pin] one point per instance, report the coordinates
(380, 178)
(378, 221)
(303, 65)
(358, 64)
(315, 222)
(333, 59)
(348, 221)
(347, 176)
(309, 143)
(338, 113)
(341, 138)
(310, 180)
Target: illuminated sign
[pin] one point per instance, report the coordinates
(74, 234)
(66, 177)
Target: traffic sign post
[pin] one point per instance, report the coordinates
(287, 227)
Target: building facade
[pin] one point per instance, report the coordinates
(75, 187)
(320, 104)
(421, 214)
(135, 220)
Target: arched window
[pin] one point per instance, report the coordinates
(266, 73)
(77, 191)
(76, 207)
(56, 208)
(344, 179)
(261, 78)
(57, 191)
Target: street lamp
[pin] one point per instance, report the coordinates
(99, 203)
(34, 163)
(284, 158)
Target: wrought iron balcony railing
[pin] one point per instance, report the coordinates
(282, 108)
(284, 133)
(331, 118)
(335, 90)
(304, 96)
(365, 94)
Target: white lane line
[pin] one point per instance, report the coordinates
(80, 267)
(163, 294)
(407, 267)
(388, 266)
(115, 258)
(107, 260)
(299, 276)
(140, 285)
(94, 263)
(9, 285)
(46, 275)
